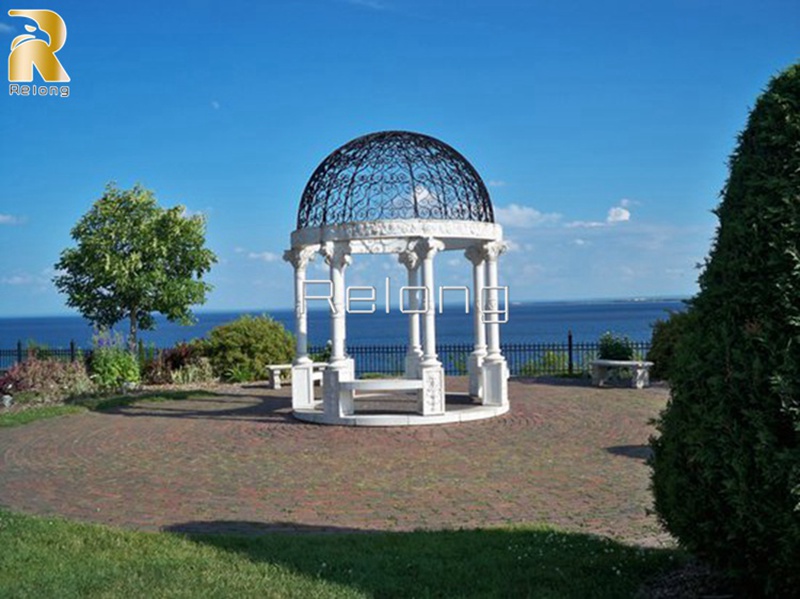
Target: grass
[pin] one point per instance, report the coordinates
(49, 557)
(18, 418)
(99, 403)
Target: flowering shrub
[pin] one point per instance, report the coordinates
(43, 381)
(182, 364)
(112, 365)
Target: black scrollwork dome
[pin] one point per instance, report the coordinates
(394, 175)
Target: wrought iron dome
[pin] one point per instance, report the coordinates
(394, 175)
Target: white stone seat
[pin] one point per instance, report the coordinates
(274, 373)
(602, 369)
(386, 385)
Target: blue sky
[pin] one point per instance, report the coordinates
(601, 128)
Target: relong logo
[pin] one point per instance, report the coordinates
(37, 48)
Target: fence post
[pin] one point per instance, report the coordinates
(72, 350)
(570, 366)
(19, 351)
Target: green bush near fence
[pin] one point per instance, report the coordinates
(666, 335)
(551, 362)
(614, 347)
(240, 350)
(112, 364)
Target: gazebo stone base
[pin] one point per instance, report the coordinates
(495, 382)
(475, 374)
(455, 414)
(303, 385)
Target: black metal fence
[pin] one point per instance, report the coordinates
(524, 359)
(9, 357)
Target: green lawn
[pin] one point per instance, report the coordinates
(33, 413)
(37, 413)
(50, 557)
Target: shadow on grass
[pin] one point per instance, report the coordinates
(638, 452)
(509, 562)
(183, 404)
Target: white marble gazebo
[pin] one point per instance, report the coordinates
(411, 195)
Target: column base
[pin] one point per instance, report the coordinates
(474, 370)
(302, 386)
(495, 382)
(336, 403)
(411, 369)
(430, 400)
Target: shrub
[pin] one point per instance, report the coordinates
(666, 334)
(46, 381)
(240, 350)
(551, 362)
(182, 364)
(112, 365)
(613, 347)
(197, 371)
(726, 466)
(156, 370)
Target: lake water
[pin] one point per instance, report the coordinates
(534, 322)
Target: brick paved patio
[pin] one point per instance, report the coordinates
(567, 454)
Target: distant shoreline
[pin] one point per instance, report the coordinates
(215, 311)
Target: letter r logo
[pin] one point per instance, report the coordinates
(28, 50)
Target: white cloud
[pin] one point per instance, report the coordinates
(496, 183)
(618, 214)
(580, 242)
(189, 213)
(524, 217)
(10, 219)
(239, 250)
(584, 224)
(6, 28)
(23, 279)
(264, 256)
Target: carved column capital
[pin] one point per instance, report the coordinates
(337, 254)
(409, 258)
(493, 249)
(475, 254)
(300, 257)
(428, 247)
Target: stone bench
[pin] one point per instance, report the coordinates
(602, 369)
(349, 391)
(274, 373)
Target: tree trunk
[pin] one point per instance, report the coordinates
(132, 334)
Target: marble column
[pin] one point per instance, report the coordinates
(495, 369)
(410, 259)
(432, 397)
(476, 255)
(341, 368)
(302, 369)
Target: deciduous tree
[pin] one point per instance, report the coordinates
(133, 259)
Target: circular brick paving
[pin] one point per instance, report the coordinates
(569, 455)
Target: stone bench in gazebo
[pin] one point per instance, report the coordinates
(413, 196)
